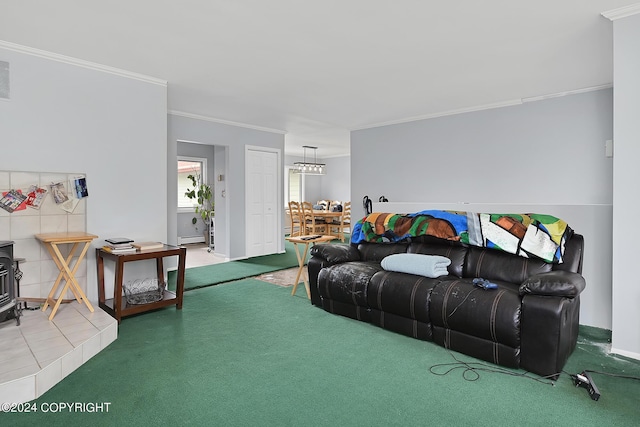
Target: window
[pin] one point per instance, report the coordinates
(294, 187)
(189, 166)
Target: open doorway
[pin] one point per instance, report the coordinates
(205, 246)
(192, 217)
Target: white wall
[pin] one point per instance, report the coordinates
(545, 157)
(626, 289)
(66, 116)
(336, 184)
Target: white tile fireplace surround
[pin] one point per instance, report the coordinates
(21, 226)
(39, 353)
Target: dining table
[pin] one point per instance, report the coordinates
(328, 217)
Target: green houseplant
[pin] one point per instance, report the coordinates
(202, 194)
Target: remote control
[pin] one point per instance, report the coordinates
(309, 237)
(484, 284)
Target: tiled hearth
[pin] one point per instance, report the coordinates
(39, 353)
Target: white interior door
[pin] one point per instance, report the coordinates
(262, 202)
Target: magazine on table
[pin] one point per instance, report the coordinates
(144, 246)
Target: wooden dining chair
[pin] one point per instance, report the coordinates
(334, 221)
(324, 203)
(345, 220)
(295, 214)
(311, 224)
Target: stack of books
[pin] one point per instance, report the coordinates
(119, 245)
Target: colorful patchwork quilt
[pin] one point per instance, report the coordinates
(527, 235)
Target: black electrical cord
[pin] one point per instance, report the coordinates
(470, 371)
(629, 377)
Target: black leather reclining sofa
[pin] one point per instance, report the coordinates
(530, 321)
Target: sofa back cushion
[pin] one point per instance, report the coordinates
(493, 264)
(376, 251)
(456, 253)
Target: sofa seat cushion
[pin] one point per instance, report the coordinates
(406, 295)
(492, 315)
(347, 282)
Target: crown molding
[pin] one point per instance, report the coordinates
(442, 114)
(335, 156)
(483, 107)
(568, 92)
(80, 63)
(225, 122)
(622, 12)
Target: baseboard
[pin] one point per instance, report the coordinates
(625, 353)
(601, 335)
(190, 239)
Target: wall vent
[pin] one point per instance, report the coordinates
(4, 80)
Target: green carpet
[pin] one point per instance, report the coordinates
(198, 277)
(247, 353)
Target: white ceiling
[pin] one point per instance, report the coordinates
(318, 69)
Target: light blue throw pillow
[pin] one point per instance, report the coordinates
(420, 264)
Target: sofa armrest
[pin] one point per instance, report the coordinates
(335, 254)
(548, 333)
(325, 255)
(554, 284)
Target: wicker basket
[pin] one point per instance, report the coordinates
(144, 291)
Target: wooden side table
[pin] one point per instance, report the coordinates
(79, 240)
(305, 240)
(117, 306)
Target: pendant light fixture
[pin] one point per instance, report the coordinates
(308, 167)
